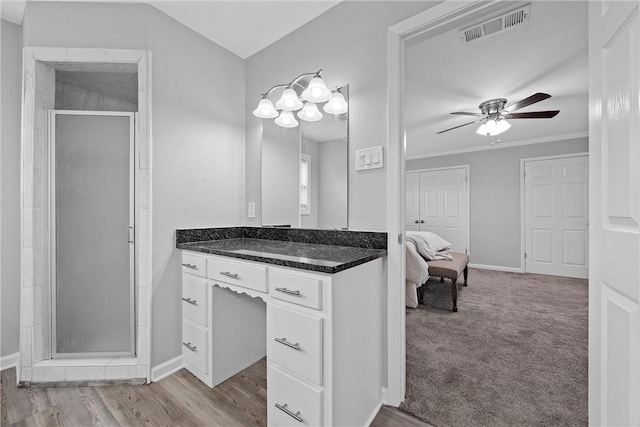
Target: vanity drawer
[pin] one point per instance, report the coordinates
(194, 298)
(238, 273)
(296, 289)
(289, 398)
(294, 341)
(194, 264)
(194, 346)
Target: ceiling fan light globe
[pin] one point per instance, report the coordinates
(502, 126)
(482, 130)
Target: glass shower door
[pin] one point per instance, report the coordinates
(93, 299)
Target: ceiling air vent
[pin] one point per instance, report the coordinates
(496, 25)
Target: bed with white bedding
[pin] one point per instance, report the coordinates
(420, 247)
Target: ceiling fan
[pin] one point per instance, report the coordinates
(494, 113)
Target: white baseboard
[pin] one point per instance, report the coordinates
(497, 268)
(374, 414)
(167, 368)
(9, 361)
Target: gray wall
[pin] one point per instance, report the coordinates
(11, 62)
(198, 142)
(349, 42)
(494, 196)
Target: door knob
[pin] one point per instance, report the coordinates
(422, 221)
(417, 221)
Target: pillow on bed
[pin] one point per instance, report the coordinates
(436, 242)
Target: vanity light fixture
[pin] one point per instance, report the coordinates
(313, 91)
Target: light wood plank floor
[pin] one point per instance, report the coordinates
(178, 400)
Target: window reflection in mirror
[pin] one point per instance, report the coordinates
(304, 172)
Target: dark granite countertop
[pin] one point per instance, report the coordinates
(302, 255)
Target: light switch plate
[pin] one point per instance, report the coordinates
(251, 208)
(369, 158)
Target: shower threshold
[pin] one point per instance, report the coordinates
(87, 371)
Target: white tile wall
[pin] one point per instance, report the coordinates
(84, 373)
(141, 371)
(48, 373)
(143, 139)
(25, 348)
(143, 305)
(38, 96)
(25, 373)
(120, 372)
(38, 340)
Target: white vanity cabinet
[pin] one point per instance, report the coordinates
(222, 331)
(322, 335)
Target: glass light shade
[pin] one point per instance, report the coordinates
(493, 127)
(501, 126)
(265, 109)
(286, 120)
(336, 105)
(316, 91)
(310, 113)
(289, 101)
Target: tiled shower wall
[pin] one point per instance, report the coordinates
(38, 97)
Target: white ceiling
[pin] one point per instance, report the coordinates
(241, 26)
(547, 54)
(244, 27)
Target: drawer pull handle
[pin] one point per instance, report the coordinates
(284, 341)
(288, 291)
(191, 266)
(189, 346)
(232, 275)
(190, 301)
(284, 409)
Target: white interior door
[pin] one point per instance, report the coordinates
(614, 278)
(556, 193)
(443, 205)
(412, 202)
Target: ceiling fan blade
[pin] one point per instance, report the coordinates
(466, 124)
(466, 113)
(533, 115)
(537, 97)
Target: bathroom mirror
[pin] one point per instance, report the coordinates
(304, 172)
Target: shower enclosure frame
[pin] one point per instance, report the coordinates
(39, 65)
(53, 244)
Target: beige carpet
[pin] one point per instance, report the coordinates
(515, 353)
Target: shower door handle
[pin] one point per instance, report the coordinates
(131, 235)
